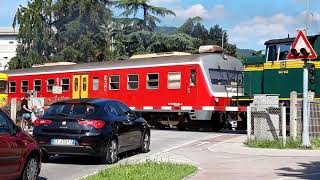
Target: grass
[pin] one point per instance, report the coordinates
(147, 170)
(277, 144)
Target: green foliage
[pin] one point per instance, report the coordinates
(147, 170)
(150, 13)
(85, 31)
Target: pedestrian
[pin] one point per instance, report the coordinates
(26, 112)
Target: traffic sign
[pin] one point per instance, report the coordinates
(301, 48)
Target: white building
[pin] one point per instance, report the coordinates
(8, 45)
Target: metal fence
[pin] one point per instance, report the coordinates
(314, 117)
(266, 123)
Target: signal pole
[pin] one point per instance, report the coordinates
(305, 134)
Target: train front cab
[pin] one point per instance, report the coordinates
(224, 77)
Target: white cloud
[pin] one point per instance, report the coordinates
(216, 12)
(164, 2)
(262, 28)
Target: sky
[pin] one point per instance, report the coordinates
(249, 23)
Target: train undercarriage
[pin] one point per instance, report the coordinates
(197, 120)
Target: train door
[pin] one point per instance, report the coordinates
(80, 86)
(192, 82)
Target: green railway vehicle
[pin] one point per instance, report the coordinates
(273, 73)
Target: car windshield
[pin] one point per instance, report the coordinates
(225, 77)
(72, 109)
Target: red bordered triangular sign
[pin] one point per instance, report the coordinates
(302, 41)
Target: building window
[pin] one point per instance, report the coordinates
(50, 84)
(24, 86)
(65, 84)
(95, 84)
(153, 81)
(174, 80)
(12, 86)
(133, 82)
(37, 85)
(114, 82)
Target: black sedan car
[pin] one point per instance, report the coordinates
(96, 127)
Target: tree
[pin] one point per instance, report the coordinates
(82, 29)
(35, 33)
(149, 19)
(215, 35)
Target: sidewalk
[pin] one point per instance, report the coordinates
(237, 146)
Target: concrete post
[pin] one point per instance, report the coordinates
(13, 109)
(293, 114)
(249, 123)
(284, 125)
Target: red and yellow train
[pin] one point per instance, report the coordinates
(170, 90)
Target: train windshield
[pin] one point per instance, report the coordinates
(3, 86)
(226, 77)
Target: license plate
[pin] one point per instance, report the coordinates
(70, 142)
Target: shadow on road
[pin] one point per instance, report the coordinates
(310, 171)
(84, 160)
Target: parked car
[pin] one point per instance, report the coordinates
(20, 156)
(96, 127)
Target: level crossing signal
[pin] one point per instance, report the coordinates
(312, 73)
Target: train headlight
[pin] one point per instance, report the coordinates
(216, 100)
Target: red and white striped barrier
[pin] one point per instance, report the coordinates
(189, 108)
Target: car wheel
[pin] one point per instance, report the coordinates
(31, 169)
(111, 155)
(145, 146)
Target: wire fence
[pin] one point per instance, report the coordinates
(314, 118)
(266, 122)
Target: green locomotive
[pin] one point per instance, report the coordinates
(273, 73)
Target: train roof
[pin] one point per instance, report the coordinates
(120, 64)
(290, 40)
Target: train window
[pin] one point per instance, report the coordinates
(174, 80)
(193, 77)
(283, 51)
(95, 83)
(153, 81)
(114, 82)
(76, 84)
(272, 53)
(84, 84)
(65, 84)
(37, 85)
(12, 86)
(133, 82)
(50, 84)
(24, 86)
(3, 86)
(225, 77)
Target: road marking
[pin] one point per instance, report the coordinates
(184, 144)
(210, 147)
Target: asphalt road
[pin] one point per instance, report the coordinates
(68, 168)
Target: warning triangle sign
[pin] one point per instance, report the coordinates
(301, 48)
